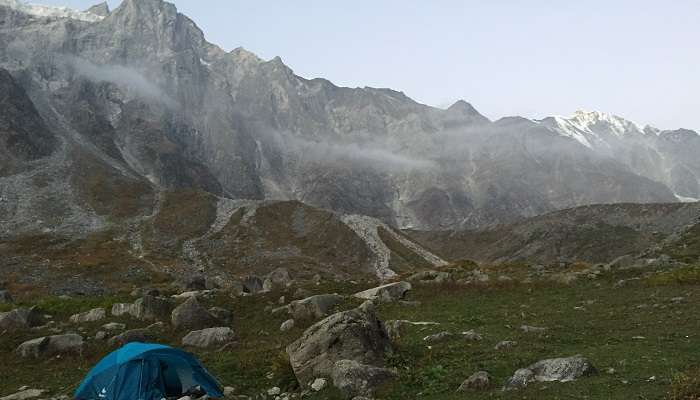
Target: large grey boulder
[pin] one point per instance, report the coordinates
(554, 369)
(94, 315)
(277, 280)
(386, 293)
(209, 337)
(355, 379)
(21, 319)
(314, 307)
(191, 315)
(52, 345)
(356, 335)
(147, 308)
(25, 394)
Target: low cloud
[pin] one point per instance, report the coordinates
(122, 76)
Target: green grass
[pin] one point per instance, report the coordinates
(603, 330)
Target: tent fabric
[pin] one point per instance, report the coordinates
(140, 371)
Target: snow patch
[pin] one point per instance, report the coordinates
(42, 11)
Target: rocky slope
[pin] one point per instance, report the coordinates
(595, 234)
(142, 103)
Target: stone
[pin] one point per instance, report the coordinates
(438, 337)
(94, 315)
(195, 283)
(190, 315)
(505, 345)
(319, 384)
(252, 284)
(278, 279)
(533, 329)
(386, 293)
(223, 315)
(229, 391)
(209, 337)
(431, 277)
(555, 369)
(520, 379)
(287, 325)
(134, 335)
(21, 319)
(355, 379)
(5, 297)
(114, 326)
(50, 346)
(478, 381)
(314, 307)
(275, 391)
(351, 335)
(101, 335)
(25, 394)
(471, 335)
(147, 308)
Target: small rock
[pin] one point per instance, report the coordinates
(134, 335)
(229, 391)
(438, 337)
(319, 384)
(94, 315)
(386, 293)
(355, 379)
(277, 280)
(275, 391)
(314, 307)
(209, 337)
(287, 325)
(5, 297)
(114, 327)
(190, 315)
(471, 335)
(533, 329)
(555, 369)
(252, 285)
(101, 335)
(479, 381)
(505, 345)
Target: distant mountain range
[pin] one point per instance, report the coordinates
(102, 110)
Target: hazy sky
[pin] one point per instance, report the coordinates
(636, 58)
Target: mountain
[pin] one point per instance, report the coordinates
(668, 157)
(593, 234)
(139, 103)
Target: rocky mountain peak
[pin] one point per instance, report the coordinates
(464, 108)
(101, 9)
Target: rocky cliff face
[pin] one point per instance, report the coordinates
(139, 95)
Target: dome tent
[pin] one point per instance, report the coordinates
(141, 371)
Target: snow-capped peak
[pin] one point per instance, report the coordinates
(50, 11)
(595, 129)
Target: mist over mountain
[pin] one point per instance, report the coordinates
(136, 96)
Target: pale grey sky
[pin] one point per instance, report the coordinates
(639, 59)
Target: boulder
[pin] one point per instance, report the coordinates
(191, 315)
(147, 308)
(209, 337)
(25, 394)
(21, 319)
(134, 335)
(314, 307)
(356, 335)
(277, 280)
(94, 315)
(555, 369)
(252, 284)
(386, 293)
(479, 381)
(5, 297)
(223, 315)
(352, 378)
(50, 346)
(431, 277)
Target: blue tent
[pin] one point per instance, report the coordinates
(141, 371)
